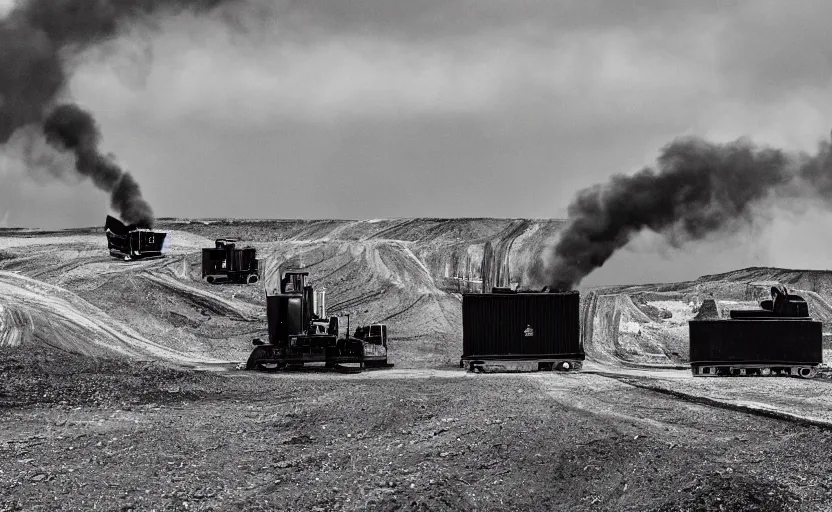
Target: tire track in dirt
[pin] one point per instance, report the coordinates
(207, 300)
(37, 312)
(496, 269)
(402, 311)
(396, 225)
(739, 406)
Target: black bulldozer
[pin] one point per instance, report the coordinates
(299, 333)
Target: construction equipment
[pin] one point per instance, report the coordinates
(133, 243)
(510, 330)
(300, 333)
(224, 263)
(374, 337)
(778, 339)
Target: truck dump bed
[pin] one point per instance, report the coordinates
(130, 243)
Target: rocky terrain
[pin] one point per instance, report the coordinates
(118, 388)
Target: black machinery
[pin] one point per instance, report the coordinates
(225, 263)
(133, 243)
(300, 333)
(778, 339)
(513, 330)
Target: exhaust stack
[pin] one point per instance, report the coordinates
(319, 303)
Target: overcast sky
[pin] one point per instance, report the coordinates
(399, 108)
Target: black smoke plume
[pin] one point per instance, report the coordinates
(70, 127)
(39, 40)
(698, 189)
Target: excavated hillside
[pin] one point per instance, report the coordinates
(61, 289)
(647, 324)
(408, 273)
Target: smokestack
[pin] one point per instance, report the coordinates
(37, 40)
(698, 189)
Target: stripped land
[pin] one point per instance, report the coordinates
(106, 402)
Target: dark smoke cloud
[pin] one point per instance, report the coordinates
(69, 127)
(39, 40)
(698, 189)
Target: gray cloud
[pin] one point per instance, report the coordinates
(771, 50)
(443, 107)
(432, 19)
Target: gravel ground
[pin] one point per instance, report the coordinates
(104, 435)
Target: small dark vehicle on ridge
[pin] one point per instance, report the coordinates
(133, 243)
(225, 263)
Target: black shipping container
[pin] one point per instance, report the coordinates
(768, 342)
(521, 326)
(287, 316)
(219, 261)
(226, 262)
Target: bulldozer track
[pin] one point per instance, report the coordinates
(405, 310)
(354, 301)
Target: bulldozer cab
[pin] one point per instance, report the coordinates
(293, 282)
(321, 328)
(784, 304)
(375, 333)
(225, 243)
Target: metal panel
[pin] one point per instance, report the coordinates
(228, 260)
(294, 316)
(273, 315)
(521, 325)
(779, 341)
(285, 317)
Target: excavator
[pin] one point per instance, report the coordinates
(300, 333)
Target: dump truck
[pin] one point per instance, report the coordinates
(225, 263)
(299, 333)
(128, 242)
(779, 339)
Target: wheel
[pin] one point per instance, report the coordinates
(269, 367)
(254, 363)
(209, 279)
(340, 368)
(251, 279)
(807, 372)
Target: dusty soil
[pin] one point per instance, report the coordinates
(107, 437)
(101, 407)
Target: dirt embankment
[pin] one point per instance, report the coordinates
(620, 335)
